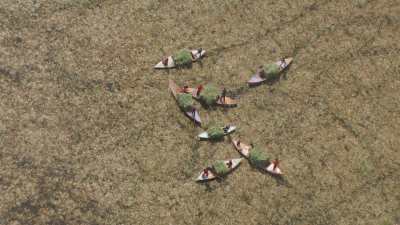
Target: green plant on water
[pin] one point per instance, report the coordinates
(271, 71)
(183, 57)
(258, 157)
(215, 132)
(209, 94)
(185, 101)
(365, 168)
(220, 167)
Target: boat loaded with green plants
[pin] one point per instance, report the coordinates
(182, 58)
(257, 157)
(269, 71)
(211, 95)
(216, 132)
(185, 102)
(218, 169)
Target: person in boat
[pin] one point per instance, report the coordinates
(194, 113)
(223, 95)
(252, 145)
(238, 143)
(275, 163)
(199, 89)
(260, 71)
(199, 51)
(229, 164)
(165, 61)
(226, 128)
(185, 89)
(205, 173)
(283, 63)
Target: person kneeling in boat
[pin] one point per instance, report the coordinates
(205, 172)
(226, 128)
(275, 163)
(199, 89)
(229, 164)
(223, 95)
(185, 89)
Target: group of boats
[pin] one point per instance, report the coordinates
(210, 173)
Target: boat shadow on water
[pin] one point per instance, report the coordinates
(279, 179)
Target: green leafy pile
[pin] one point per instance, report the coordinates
(209, 94)
(271, 70)
(258, 157)
(185, 101)
(215, 132)
(220, 167)
(183, 57)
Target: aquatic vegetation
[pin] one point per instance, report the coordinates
(209, 94)
(215, 132)
(257, 157)
(183, 57)
(185, 101)
(220, 167)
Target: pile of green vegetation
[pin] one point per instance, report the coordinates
(209, 94)
(258, 157)
(215, 132)
(185, 101)
(271, 71)
(183, 57)
(220, 167)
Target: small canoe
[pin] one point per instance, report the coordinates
(211, 175)
(169, 63)
(245, 149)
(257, 78)
(204, 135)
(192, 114)
(226, 102)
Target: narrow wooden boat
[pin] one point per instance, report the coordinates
(211, 175)
(245, 149)
(169, 63)
(228, 129)
(258, 78)
(192, 114)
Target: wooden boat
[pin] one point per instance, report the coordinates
(204, 135)
(257, 78)
(211, 175)
(225, 102)
(169, 63)
(245, 149)
(192, 114)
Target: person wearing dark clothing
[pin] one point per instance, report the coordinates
(226, 129)
(229, 164)
(223, 95)
(165, 61)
